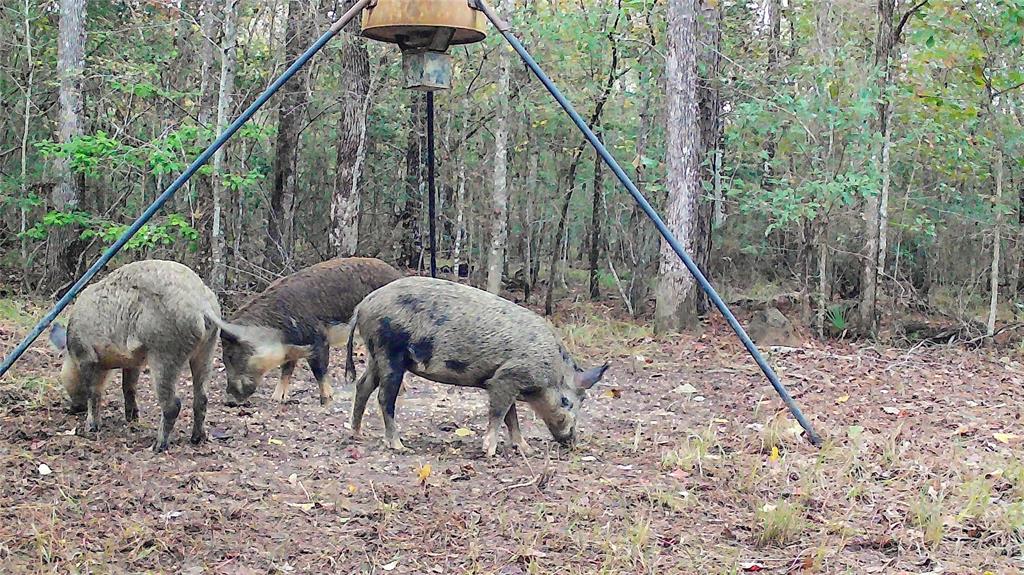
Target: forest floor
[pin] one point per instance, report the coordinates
(687, 464)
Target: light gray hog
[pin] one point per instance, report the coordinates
(298, 316)
(144, 312)
(459, 335)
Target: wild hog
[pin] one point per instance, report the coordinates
(298, 316)
(458, 335)
(144, 312)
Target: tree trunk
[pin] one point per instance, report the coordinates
(595, 228)
(351, 147)
(873, 210)
(202, 213)
(26, 121)
(709, 104)
(677, 290)
(993, 308)
(218, 273)
(62, 251)
(409, 218)
(556, 245)
(499, 194)
(772, 22)
(278, 250)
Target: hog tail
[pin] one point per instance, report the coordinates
(350, 365)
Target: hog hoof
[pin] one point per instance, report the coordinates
(198, 437)
(279, 395)
(395, 445)
(524, 448)
(326, 400)
(131, 415)
(160, 446)
(91, 426)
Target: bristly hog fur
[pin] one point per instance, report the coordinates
(298, 316)
(151, 312)
(459, 335)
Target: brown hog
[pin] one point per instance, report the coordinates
(144, 312)
(459, 335)
(298, 316)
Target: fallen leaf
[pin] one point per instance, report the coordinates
(273, 441)
(842, 399)
(891, 410)
(680, 474)
(588, 458)
(1004, 437)
(686, 388)
(302, 506)
(352, 489)
(775, 454)
(752, 567)
(423, 472)
(44, 469)
(463, 432)
(390, 566)
(612, 394)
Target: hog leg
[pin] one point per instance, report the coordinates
(201, 365)
(165, 373)
(501, 403)
(390, 385)
(94, 378)
(319, 360)
(516, 434)
(129, 383)
(364, 387)
(281, 391)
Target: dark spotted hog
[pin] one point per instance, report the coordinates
(151, 312)
(458, 335)
(298, 316)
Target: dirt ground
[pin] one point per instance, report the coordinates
(686, 465)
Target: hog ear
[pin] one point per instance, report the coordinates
(227, 331)
(587, 379)
(59, 336)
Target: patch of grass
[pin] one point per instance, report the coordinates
(15, 312)
(977, 495)
(590, 328)
(781, 522)
(692, 453)
(928, 514)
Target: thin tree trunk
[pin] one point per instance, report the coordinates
(62, 251)
(218, 273)
(278, 249)
(499, 193)
(409, 217)
(595, 228)
(676, 294)
(528, 251)
(556, 245)
(993, 308)
(203, 217)
(351, 146)
(709, 105)
(26, 122)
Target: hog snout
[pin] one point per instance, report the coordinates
(238, 393)
(75, 407)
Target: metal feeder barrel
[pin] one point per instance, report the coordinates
(427, 24)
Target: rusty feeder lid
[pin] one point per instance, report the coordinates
(424, 29)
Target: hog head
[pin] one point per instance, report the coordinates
(70, 373)
(559, 405)
(249, 353)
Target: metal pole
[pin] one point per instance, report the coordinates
(503, 27)
(178, 183)
(431, 191)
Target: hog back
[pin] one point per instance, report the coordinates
(316, 300)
